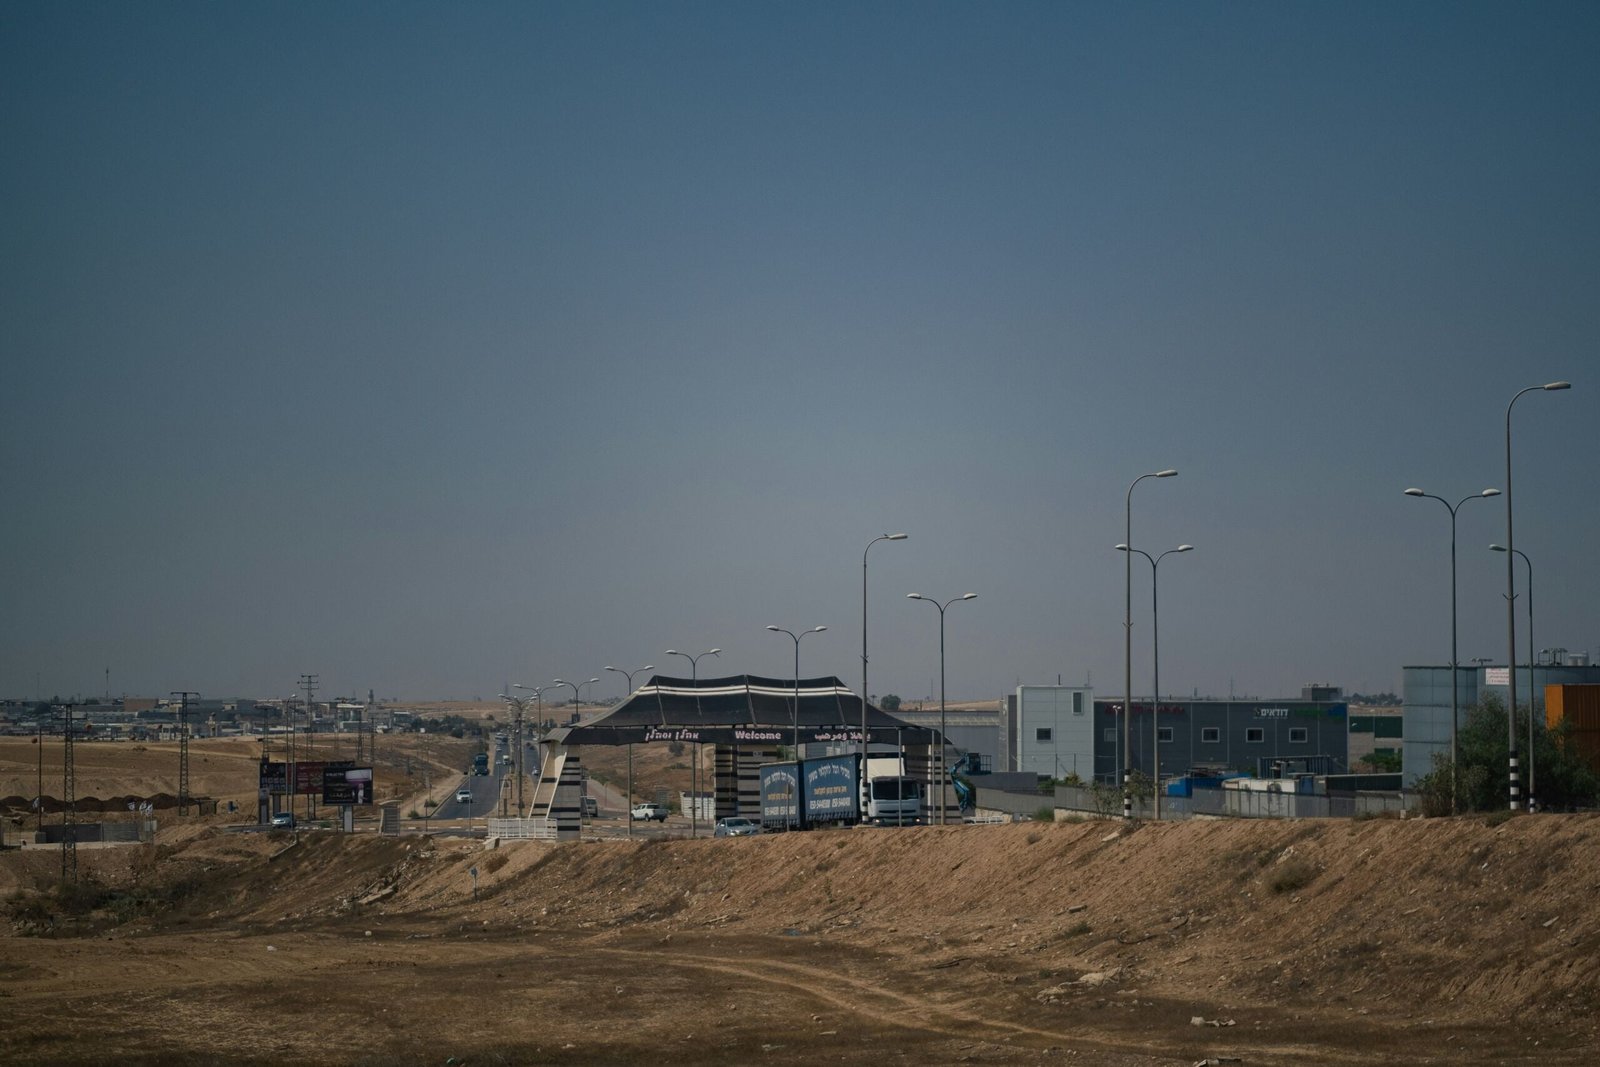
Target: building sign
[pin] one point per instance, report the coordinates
(1497, 676)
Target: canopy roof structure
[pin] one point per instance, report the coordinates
(740, 710)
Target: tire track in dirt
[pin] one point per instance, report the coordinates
(911, 1011)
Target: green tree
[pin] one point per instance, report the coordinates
(1562, 779)
(889, 703)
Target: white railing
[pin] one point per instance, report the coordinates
(537, 828)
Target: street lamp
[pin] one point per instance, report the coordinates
(875, 540)
(1511, 598)
(1127, 646)
(1155, 656)
(1455, 699)
(942, 741)
(575, 691)
(799, 799)
(629, 676)
(694, 753)
(518, 705)
(1532, 689)
(538, 695)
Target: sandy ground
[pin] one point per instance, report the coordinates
(1465, 941)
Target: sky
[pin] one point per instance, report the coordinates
(431, 347)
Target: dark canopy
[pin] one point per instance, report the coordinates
(740, 710)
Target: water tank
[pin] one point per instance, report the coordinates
(1577, 659)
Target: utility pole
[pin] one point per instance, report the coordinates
(69, 810)
(183, 696)
(308, 682)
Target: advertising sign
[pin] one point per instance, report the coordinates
(274, 777)
(1497, 676)
(780, 791)
(346, 784)
(830, 789)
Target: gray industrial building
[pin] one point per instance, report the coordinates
(1426, 692)
(1057, 731)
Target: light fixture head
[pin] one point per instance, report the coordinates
(1415, 492)
(1497, 548)
(1553, 386)
(895, 537)
(775, 629)
(614, 669)
(1122, 548)
(1490, 492)
(711, 652)
(969, 596)
(1184, 548)
(1166, 474)
(673, 652)
(816, 629)
(915, 596)
(560, 681)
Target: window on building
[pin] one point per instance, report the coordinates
(1077, 703)
(1111, 735)
(1297, 735)
(1210, 735)
(1164, 734)
(1042, 733)
(1255, 735)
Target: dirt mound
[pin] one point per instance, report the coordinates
(1321, 940)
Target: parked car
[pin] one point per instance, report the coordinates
(646, 811)
(736, 826)
(463, 795)
(283, 820)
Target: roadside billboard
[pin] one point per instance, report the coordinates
(346, 785)
(830, 789)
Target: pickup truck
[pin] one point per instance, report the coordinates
(645, 812)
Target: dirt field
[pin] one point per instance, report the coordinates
(1311, 942)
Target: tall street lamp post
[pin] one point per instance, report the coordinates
(519, 705)
(942, 741)
(1533, 700)
(629, 676)
(1455, 698)
(1155, 656)
(799, 799)
(1127, 647)
(875, 540)
(1511, 599)
(694, 753)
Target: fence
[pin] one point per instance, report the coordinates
(1241, 803)
(537, 828)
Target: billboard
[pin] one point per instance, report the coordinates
(346, 784)
(779, 792)
(830, 789)
(309, 776)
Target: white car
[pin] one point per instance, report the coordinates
(645, 812)
(463, 795)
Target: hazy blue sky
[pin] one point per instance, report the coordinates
(432, 346)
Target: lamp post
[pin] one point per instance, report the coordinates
(875, 540)
(799, 799)
(576, 692)
(1511, 598)
(1532, 689)
(538, 695)
(1155, 657)
(1455, 699)
(629, 676)
(1127, 646)
(942, 741)
(518, 706)
(694, 753)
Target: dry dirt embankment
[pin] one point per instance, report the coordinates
(1325, 940)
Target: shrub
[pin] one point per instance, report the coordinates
(1046, 813)
(1290, 875)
